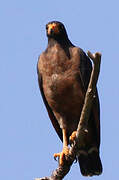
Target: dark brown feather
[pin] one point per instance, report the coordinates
(49, 110)
(64, 84)
(64, 73)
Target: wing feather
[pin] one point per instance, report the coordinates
(85, 73)
(49, 110)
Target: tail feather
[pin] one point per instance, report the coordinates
(90, 163)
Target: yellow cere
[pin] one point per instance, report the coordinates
(54, 27)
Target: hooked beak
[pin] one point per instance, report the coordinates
(52, 28)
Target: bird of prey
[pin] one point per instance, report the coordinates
(63, 74)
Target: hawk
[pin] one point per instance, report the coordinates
(63, 74)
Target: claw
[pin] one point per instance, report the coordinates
(61, 155)
(55, 158)
(56, 155)
(72, 137)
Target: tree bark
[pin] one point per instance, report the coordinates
(61, 171)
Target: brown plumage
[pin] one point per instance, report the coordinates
(63, 74)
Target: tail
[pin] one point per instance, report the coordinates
(90, 163)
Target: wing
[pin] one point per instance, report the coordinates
(49, 110)
(85, 72)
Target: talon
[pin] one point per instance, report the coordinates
(73, 136)
(62, 155)
(55, 157)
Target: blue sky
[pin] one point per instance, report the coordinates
(27, 138)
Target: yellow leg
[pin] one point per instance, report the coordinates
(65, 150)
(65, 142)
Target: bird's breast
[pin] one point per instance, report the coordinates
(60, 84)
(63, 90)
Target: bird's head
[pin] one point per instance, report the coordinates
(56, 30)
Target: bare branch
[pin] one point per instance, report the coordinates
(90, 95)
(61, 171)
